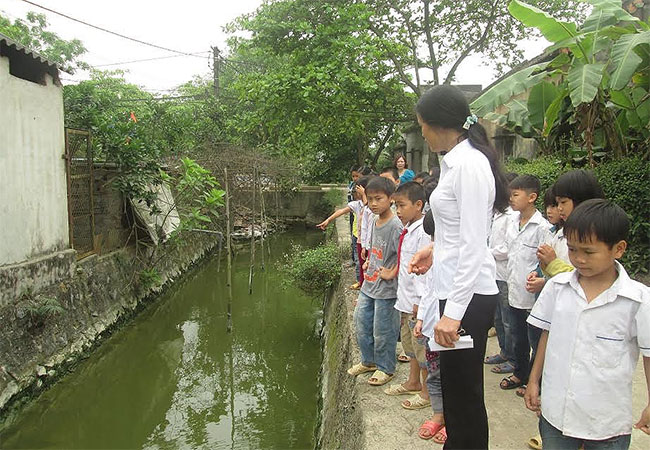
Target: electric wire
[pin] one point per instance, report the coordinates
(109, 31)
(150, 59)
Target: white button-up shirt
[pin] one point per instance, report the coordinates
(367, 219)
(559, 244)
(497, 242)
(411, 288)
(591, 354)
(462, 206)
(522, 255)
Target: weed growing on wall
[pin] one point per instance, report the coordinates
(40, 309)
(316, 270)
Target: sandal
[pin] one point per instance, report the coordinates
(495, 359)
(441, 436)
(535, 442)
(416, 402)
(358, 369)
(403, 358)
(508, 383)
(398, 389)
(506, 367)
(380, 378)
(429, 429)
(521, 391)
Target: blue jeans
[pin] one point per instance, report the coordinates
(377, 323)
(520, 342)
(553, 439)
(434, 384)
(502, 323)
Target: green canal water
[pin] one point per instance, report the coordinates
(174, 378)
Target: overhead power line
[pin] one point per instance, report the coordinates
(151, 59)
(109, 31)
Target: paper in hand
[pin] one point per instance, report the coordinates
(462, 343)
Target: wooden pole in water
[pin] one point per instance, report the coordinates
(228, 252)
(250, 271)
(262, 218)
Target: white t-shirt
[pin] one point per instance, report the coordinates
(591, 354)
(497, 242)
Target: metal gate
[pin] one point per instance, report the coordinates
(79, 170)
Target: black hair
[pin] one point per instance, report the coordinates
(600, 218)
(446, 107)
(380, 184)
(511, 176)
(428, 225)
(423, 176)
(363, 181)
(430, 186)
(578, 185)
(435, 173)
(392, 170)
(528, 183)
(549, 198)
(354, 169)
(364, 170)
(413, 191)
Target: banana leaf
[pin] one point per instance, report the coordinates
(552, 29)
(541, 96)
(625, 59)
(584, 81)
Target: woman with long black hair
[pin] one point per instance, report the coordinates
(472, 185)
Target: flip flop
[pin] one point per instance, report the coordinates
(431, 428)
(403, 358)
(398, 389)
(380, 378)
(358, 369)
(416, 402)
(495, 359)
(508, 383)
(535, 442)
(521, 391)
(505, 367)
(443, 436)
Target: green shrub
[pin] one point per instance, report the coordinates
(333, 199)
(626, 181)
(315, 270)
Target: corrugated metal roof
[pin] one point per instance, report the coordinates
(21, 48)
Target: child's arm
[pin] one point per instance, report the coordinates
(556, 266)
(362, 193)
(532, 398)
(337, 213)
(644, 423)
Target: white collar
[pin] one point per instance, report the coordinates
(456, 154)
(413, 225)
(623, 286)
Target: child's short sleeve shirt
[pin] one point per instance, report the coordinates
(591, 354)
(383, 252)
(411, 288)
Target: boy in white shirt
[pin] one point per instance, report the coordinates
(527, 230)
(595, 321)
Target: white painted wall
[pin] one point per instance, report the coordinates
(33, 188)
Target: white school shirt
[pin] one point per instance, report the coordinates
(462, 206)
(591, 354)
(522, 255)
(497, 242)
(356, 206)
(366, 227)
(411, 288)
(559, 244)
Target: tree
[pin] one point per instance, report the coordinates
(424, 37)
(308, 84)
(34, 35)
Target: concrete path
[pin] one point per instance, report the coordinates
(389, 426)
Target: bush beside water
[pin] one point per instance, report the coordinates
(626, 181)
(314, 270)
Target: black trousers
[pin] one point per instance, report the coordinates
(461, 374)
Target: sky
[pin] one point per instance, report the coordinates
(189, 26)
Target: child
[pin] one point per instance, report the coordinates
(354, 175)
(356, 208)
(570, 189)
(595, 321)
(504, 360)
(526, 232)
(375, 317)
(367, 218)
(391, 174)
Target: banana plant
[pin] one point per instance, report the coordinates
(596, 76)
